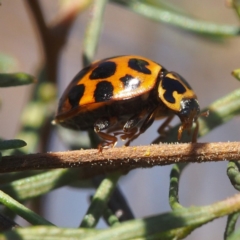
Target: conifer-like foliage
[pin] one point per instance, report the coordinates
(28, 171)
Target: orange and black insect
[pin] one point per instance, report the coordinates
(126, 94)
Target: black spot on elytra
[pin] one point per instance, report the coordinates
(171, 85)
(75, 94)
(103, 70)
(139, 65)
(130, 82)
(81, 74)
(103, 91)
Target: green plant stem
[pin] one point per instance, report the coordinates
(231, 222)
(234, 174)
(7, 178)
(168, 221)
(93, 31)
(15, 79)
(140, 228)
(220, 112)
(11, 144)
(22, 211)
(178, 20)
(119, 206)
(178, 233)
(54, 233)
(37, 185)
(235, 235)
(236, 6)
(236, 74)
(110, 218)
(47, 233)
(165, 5)
(174, 185)
(99, 201)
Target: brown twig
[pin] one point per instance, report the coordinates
(124, 158)
(54, 36)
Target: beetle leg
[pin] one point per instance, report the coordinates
(103, 124)
(162, 129)
(134, 121)
(129, 134)
(194, 135)
(130, 127)
(145, 125)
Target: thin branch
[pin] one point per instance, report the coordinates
(54, 36)
(92, 162)
(46, 39)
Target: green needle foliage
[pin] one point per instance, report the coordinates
(179, 20)
(99, 201)
(39, 184)
(93, 31)
(231, 222)
(22, 211)
(236, 73)
(36, 130)
(159, 225)
(15, 79)
(12, 144)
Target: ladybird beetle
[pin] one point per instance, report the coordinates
(126, 94)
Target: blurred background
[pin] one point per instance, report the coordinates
(205, 63)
